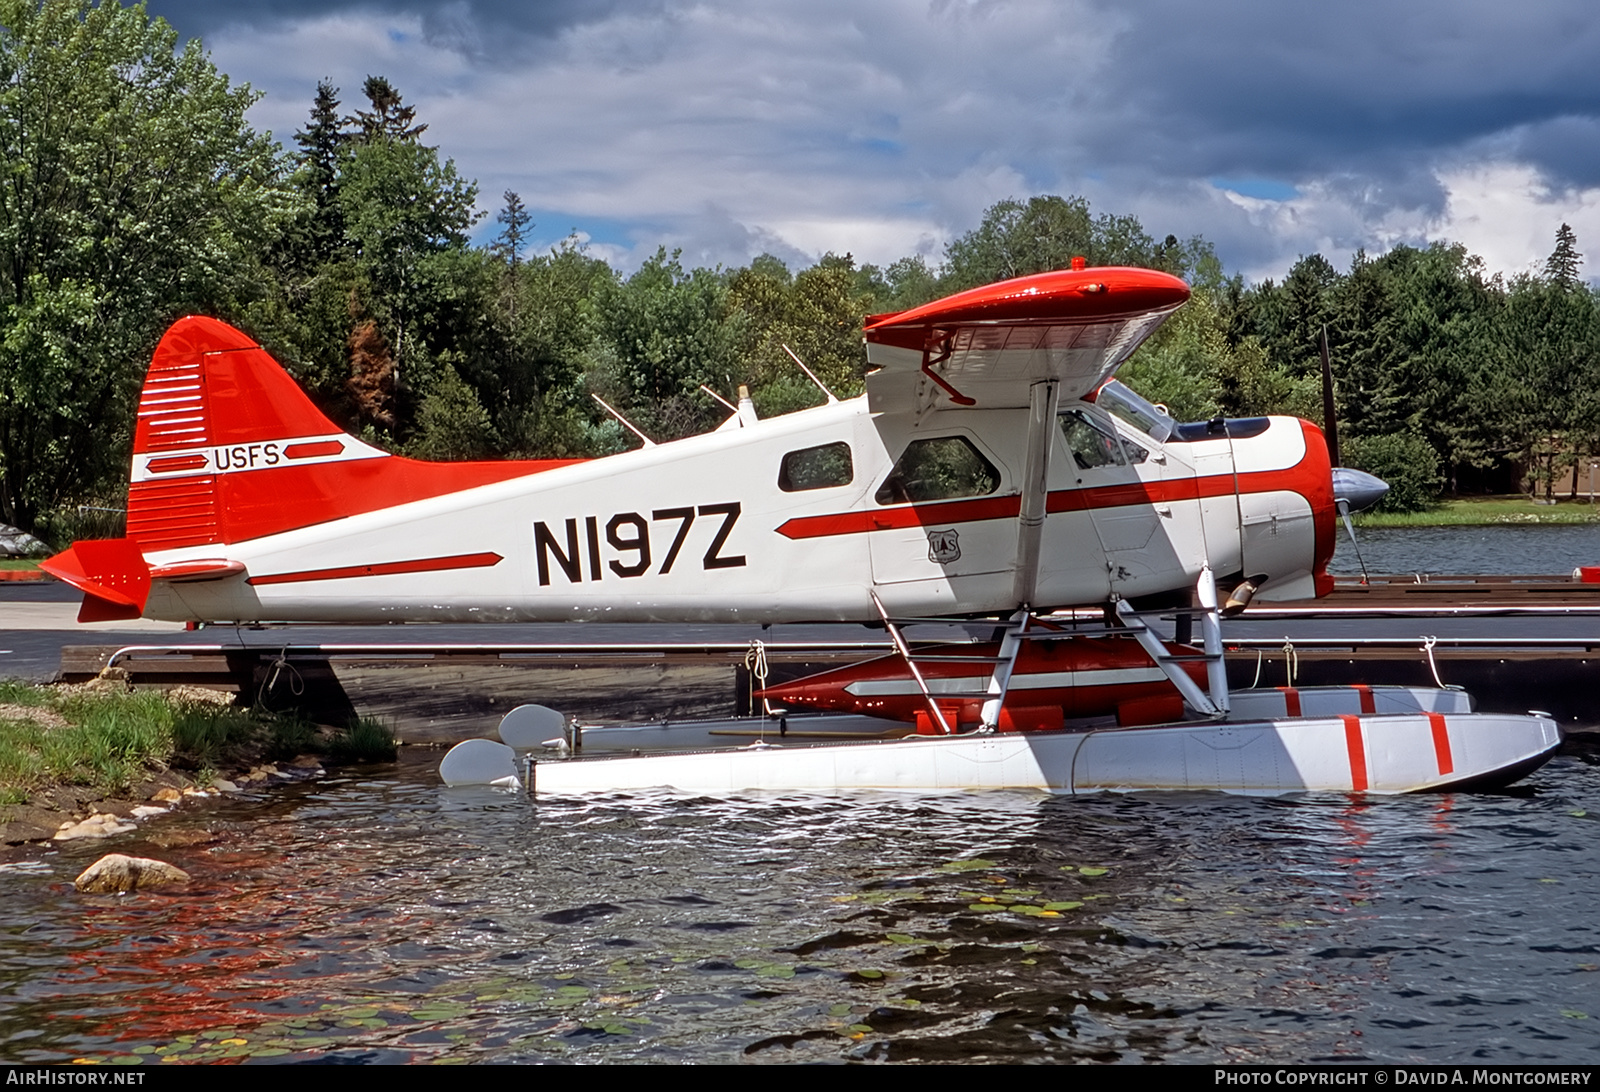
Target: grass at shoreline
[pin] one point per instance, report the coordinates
(107, 741)
(22, 563)
(1478, 512)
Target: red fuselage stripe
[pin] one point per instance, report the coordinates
(1291, 479)
(1441, 743)
(1358, 753)
(387, 568)
(1291, 701)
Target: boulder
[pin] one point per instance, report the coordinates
(99, 825)
(115, 873)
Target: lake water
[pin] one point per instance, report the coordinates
(378, 916)
(1549, 549)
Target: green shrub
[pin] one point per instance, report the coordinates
(207, 734)
(1406, 461)
(288, 735)
(365, 739)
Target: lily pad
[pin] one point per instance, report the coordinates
(976, 864)
(1088, 871)
(1071, 904)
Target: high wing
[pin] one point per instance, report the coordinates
(987, 347)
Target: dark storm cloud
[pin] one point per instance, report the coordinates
(1303, 90)
(475, 27)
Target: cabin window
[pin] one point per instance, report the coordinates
(822, 467)
(938, 468)
(1150, 419)
(1091, 442)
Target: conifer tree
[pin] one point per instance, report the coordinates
(320, 145)
(1562, 266)
(508, 246)
(388, 119)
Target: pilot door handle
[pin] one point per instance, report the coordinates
(1164, 509)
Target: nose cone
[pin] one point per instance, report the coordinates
(1356, 490)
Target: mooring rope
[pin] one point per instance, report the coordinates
(297, 683)
(755, 662)
(1427, 646)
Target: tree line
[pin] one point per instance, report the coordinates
(133, 191)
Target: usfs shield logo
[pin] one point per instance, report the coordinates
(944, 547)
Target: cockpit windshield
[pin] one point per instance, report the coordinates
(1118, 399)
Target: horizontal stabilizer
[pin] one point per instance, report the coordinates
(112, 574)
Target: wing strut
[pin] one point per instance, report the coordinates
(1216, 704)
(916, 673)
(1000, 677)
(1035, 489)
(929, 362)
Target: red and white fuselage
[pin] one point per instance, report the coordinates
(247, 504)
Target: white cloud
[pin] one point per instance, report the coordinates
(886, 129)
(1508, 214)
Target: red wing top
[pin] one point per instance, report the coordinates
(985, 347)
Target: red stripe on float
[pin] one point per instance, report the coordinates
(1358, 753)
(1441, 743)
(1368, 704)
(1291, 701)
(388, 568)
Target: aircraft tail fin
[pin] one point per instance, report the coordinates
(213, 402)
(227, 448)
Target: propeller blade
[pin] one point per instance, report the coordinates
(1344, 513)
(1330, 420)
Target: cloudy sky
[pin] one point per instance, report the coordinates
(886, 127)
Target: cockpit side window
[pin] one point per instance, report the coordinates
(1150, 419)
(938, 468)
(1091, 442)
(821, 467)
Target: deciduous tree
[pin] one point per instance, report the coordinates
(132, 190)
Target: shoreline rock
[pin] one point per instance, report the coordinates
(116, 874)
(88, 816)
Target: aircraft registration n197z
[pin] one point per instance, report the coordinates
(992, 468)
(987, 468)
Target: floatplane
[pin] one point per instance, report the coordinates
(993, 469)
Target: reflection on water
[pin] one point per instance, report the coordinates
(1499, 549)
(386, 918)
